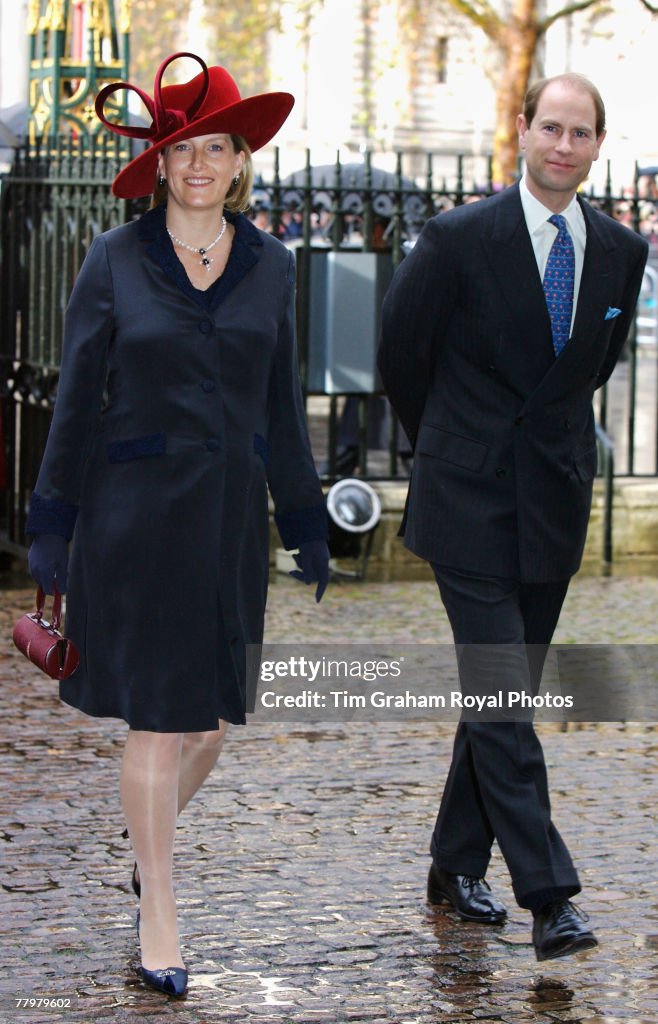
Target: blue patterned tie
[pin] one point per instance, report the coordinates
(558, 283)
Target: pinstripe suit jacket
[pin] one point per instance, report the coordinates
(503, 431)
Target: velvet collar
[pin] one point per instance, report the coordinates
(243, 256)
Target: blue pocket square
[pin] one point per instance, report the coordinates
(612, 312)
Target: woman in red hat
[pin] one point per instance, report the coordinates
(179, 405)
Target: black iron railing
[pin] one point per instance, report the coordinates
(54, 201)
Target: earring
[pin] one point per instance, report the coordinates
(162, 181)
(236, 179)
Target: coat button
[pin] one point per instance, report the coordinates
(500, 471)
(205, 326)
(212, 444)
(207, 386)
(518, 420)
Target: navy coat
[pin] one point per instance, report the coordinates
(505, 446)
(175, 411)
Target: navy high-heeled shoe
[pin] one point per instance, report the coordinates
(171, 980)
(134, 881)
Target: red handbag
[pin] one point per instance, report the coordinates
(42, 642)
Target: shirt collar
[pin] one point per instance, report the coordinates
(536, 214)
(152, 226)
(244, 255)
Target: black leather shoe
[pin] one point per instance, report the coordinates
(347, 459)
(471, 897)
(559, 929)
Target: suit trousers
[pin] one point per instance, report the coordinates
(497, 786)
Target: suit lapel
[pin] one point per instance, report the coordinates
(516, 277)
(595, 280)
(514, 267)
(514, 271)
(594, 291)
(513, 264)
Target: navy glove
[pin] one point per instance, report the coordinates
(48, 560)
(313, 562)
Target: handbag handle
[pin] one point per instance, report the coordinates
(57, 606)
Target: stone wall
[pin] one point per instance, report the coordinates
(635, 532)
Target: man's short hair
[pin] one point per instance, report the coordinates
(533, 95)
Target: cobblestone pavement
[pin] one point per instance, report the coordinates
(301, 867)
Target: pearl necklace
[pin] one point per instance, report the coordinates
(205, 260)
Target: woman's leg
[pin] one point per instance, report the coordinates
(149, 792)
(198, 758)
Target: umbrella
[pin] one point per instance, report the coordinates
(13, 126)
(385, 188)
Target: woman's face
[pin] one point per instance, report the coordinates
(199, 171)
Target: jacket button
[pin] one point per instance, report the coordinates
(205, 326)
(500, 471)
(518, 420)
(567, 424)
(207, 386)
(212, 444)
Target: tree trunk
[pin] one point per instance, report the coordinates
(517, 43)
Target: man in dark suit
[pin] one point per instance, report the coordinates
(497, 330)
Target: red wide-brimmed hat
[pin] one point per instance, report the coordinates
(208, 104)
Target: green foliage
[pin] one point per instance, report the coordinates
(237, 37)
(156, 32)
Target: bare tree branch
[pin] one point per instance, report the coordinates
(544, 25)
(516, 35)
(482, 14)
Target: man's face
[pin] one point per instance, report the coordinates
(560, 144)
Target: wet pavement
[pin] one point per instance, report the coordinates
(301, 866)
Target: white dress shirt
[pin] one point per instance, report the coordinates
(542, 234)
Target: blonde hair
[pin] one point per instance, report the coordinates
(238, 197)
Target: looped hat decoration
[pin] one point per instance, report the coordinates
(210, 103)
